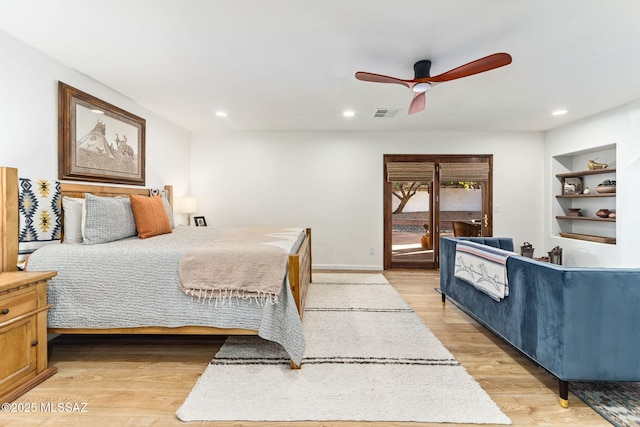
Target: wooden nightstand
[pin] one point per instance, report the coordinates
(23, 332)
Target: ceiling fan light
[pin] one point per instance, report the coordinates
(421, 87)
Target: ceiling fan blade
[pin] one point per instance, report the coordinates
(379, 78)
(417, 103)
(478, 66)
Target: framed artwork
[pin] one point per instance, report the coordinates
(200, 221)
(98, 141)
(572, 186)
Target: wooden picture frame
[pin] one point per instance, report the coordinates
(200, 221)
(572, 186)
(97, 141)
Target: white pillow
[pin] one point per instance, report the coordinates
(73, 218)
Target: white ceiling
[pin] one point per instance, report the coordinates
(290, 64)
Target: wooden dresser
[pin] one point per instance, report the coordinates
(23, 332)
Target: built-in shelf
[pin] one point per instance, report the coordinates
(585, 218)
(585, 173)
(571, 198)
(583, 196)
(589, 238)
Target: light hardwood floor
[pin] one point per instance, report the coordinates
(141, 381)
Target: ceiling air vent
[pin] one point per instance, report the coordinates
(386, 112)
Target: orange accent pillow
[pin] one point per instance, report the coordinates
(150, 215)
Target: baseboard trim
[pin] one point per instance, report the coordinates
(347, 267)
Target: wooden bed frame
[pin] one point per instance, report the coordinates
(299, 263)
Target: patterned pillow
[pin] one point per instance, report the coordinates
(107, 219)
(39, 212)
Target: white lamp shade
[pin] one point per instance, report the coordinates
(189, 205)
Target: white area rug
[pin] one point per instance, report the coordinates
(369, 357)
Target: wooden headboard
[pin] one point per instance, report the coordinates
(78, 190)
(9, 221)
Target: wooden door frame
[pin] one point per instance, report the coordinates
(434, 200)
(387, 208)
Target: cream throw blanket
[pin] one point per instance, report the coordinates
(250, 263)
(484, 267)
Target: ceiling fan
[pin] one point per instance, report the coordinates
(423, 82)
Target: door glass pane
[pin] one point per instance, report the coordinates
(461, 208)
(411, 224)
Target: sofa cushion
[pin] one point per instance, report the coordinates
(505, 243)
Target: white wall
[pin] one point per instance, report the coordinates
(620, 126)
(29, 114)
(451, 199)
(332, 182)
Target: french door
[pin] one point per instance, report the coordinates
(425, 196)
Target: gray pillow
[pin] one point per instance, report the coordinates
(169, 210)
(107, 219)
(167, 205)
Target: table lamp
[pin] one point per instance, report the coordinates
(189, 206)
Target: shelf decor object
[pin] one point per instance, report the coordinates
(574, 212)
(574, 185)
(606, 189)
(593, 165)
(606, 186)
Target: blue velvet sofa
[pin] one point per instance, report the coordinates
(580, 324)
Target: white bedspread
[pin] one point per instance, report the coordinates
(134, 282)
(483, 267)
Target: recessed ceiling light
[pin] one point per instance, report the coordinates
(349, 113)
(221, 114)
(559, 112)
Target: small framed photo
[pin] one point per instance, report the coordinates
(572, 186)
(200, 221)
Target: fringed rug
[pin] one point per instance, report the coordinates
(617, 402)
(369, 357)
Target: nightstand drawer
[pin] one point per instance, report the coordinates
(17, 303)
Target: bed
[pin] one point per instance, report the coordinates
(107, 289)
